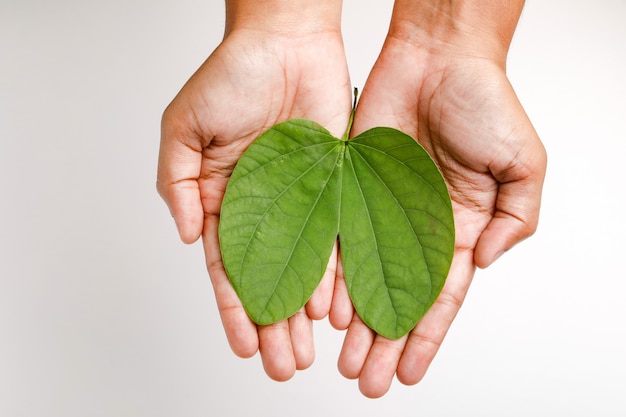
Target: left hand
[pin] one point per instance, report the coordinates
(463, 110)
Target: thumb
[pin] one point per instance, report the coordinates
(180, 158)
(517, 205)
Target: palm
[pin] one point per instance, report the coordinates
(465, 113)
(247, 85)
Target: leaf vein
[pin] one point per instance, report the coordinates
(312, 209)
(406, 218)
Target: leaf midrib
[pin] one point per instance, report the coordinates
(304, 224)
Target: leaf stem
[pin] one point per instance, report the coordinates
(346, 135)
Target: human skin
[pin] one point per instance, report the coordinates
(279, 60)
(441, 78)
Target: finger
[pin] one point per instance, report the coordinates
(180, 158)
(356, 346)
(380, 366)
(518, 201)
(341, 310)
(301, 331)
(240, 330)
(276, 350)
(426, 338)
(319, 304)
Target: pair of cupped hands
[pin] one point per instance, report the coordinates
(459, 106)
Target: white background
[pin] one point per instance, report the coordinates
(103, 312)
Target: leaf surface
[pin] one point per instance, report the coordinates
(297, 187)
(279, 218)
(396, 230)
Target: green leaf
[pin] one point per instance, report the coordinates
(396, 230)
(297, 187)
(279, 218)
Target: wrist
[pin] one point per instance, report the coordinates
(284, 17)
(477, 28)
